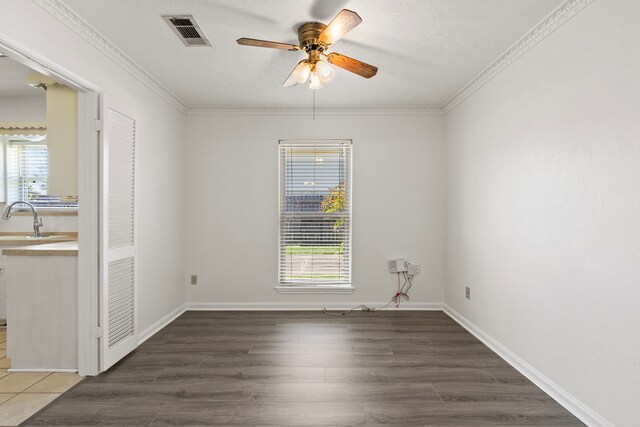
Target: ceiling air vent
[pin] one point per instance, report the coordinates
(187, 30)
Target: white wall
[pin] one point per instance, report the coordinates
(23, 109)
(232, 204)
(159, 179)
(544, 208)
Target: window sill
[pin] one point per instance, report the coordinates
(48, 212)
(317, 289)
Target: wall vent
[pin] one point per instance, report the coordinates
(187, 30)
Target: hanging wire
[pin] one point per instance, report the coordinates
(396, 299)
(360, 307)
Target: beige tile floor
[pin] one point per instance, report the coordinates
(22, 394)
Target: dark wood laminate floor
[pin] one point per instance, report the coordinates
(306, 368)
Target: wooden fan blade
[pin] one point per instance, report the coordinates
(344, 22)
(358, 67)
(265, 43)
(291, 80)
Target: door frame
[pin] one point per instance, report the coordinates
(88, 193)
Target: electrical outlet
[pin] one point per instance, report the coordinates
(467, 292)
(398, 265)
(413, 269)
(194, 279)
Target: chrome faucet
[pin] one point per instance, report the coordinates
(37, 222)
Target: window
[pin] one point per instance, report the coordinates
(26, 170)
(27, 174)
(315, 213)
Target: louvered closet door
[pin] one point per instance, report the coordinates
(118, 240)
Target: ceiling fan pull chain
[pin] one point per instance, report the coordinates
(314, 105)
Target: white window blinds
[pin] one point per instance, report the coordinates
(315, 213)
(26, 170)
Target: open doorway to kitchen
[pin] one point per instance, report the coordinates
(49, 189)
(38, 194)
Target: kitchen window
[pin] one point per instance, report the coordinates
(26, 170)
(27, 174)
(315, 215)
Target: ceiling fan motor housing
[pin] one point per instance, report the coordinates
(308, 36)
(315, 39)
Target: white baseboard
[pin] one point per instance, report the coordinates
(564, 398)
(164, 321)
(41, 370)
(305, 306)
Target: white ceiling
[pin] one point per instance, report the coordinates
(13, 80)
(426, 50)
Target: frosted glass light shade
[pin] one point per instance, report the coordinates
(301, 73)
(325, 71)
(314, 81)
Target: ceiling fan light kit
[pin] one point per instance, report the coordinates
(315, 39)
(317, 73)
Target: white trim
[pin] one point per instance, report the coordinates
(292, 111)
(344, 286)
(42, 65)
(305, 306)
(162, 323)
(319, 289)
(89, 34)
(560, 395)
(42, 370)
(556, 19)
(88, 234)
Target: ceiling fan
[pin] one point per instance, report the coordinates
(315, 39)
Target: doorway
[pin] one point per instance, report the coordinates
(88, 193)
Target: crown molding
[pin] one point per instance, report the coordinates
(338, 111)
(561, 15)
(75, 23)
(556, 19)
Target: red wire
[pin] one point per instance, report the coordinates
(397, 298)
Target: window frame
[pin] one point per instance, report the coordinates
(17, 140)
(309, 287)
(18, 144)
